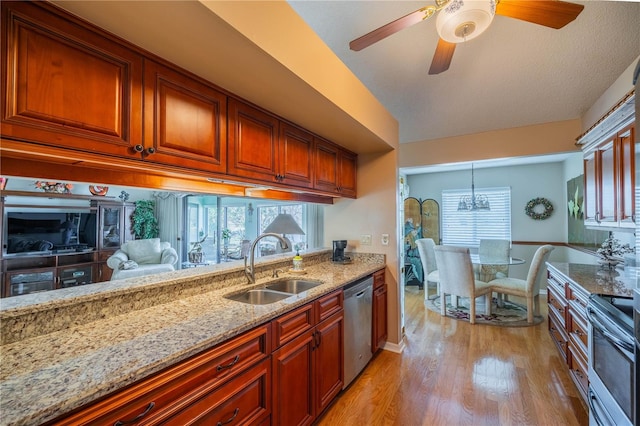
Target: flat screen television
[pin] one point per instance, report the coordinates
(49, 231)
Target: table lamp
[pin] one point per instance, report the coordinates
(284, 224)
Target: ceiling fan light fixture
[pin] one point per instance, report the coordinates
(464, 20)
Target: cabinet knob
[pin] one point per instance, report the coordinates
(150, 150)
(138, 148)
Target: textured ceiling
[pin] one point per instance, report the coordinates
(515, 74)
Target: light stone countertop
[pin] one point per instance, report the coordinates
(597, 280)
(45, 376)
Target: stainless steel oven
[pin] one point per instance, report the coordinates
(612, 383)
(636, 321)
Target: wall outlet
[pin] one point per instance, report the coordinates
(385, 239)
(365, 239)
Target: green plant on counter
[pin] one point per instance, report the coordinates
(144, 223)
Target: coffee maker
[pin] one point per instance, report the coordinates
(338, 251)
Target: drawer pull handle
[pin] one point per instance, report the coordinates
(231, 364)
(136, 418)
(235, 414)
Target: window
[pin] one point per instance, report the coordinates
(266, 215)
(467, 228)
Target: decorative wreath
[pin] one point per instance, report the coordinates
(531, 205)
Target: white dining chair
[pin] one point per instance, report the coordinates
(429, 264)
(529, 288)
(494, 249)
(457, 279)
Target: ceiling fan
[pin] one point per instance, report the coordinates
(463, 20)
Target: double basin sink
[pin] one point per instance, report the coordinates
(274, 291)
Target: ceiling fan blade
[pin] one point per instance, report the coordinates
(442, 57)
(550, 13)
(392, 28)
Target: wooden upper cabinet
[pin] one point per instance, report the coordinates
(253, 142)
(609, 179)
(296, 156)
(263, 147)
(184, 121)
(335, 169)
(66, 85)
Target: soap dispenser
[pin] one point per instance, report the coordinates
(297, 262)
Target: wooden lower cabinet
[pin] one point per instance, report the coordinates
(235, 374)
(308, 370)
(567, 304)
(379, 312)
(285, 372)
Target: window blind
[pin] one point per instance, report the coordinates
(467, 228)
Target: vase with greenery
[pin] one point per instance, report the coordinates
(144, 222)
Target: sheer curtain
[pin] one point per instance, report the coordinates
(169, 211)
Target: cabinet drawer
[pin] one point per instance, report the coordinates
(556, 282)
(577, 300)
(577, 328)
(244, 400)
(558, 305)
(329, 305)
(177, 386)
(378, 279)
(558, 335)
(289, 326)
(578, 368)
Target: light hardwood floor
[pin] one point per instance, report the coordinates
(454, 373)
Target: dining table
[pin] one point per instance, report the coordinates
(489, 266)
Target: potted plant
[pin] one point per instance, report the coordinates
(611, 252)
(226, 235)
(144, 223)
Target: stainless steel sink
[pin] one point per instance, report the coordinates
(274, 291)
(259, 296)
(293, 286)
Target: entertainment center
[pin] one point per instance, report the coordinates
(51, 245)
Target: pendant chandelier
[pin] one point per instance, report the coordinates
(474, 202)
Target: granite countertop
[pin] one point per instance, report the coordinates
(45, 376)
(596, 280)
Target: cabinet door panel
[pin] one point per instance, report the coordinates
(379, 318)
(292, 383)
(184, 120)
(326, 170)
(347, 175)
(329, 361)
(296, 154)
(608, 195)
(253, 142)
(64, 89)
(627, 177)
(590, 184)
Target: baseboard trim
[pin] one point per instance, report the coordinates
(397, 348)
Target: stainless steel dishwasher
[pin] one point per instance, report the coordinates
(357, 327)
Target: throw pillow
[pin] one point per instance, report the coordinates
(144, 252)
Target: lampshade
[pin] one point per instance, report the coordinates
(465, 20)
(284, 223)
(475, 202)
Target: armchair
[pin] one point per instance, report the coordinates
(138, 258)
